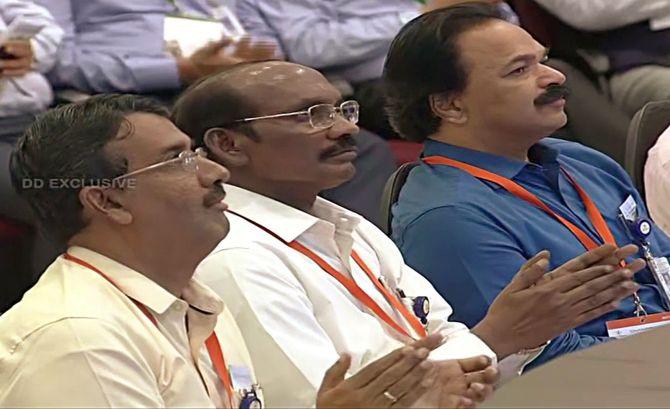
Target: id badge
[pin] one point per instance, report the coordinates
(628, 209)
(241, 377)
(630, 326)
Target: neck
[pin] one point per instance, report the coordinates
(172, 269)
(301, 197)
(496, 143)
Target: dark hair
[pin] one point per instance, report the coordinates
(67, 144)
(213, 102)
(424, 59)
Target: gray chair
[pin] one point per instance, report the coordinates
(645, 128)
(391, 192)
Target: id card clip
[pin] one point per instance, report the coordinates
(419, 305)
(639, 229)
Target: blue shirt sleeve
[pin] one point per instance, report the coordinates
(315, 33)
(87, 62)
(470, 258)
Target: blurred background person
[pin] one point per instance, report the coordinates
(628, 41)
(118, 46)
(29, 38)
(657, 181)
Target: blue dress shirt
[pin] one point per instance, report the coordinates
(344, 38)
(117, 45)
(470, 237)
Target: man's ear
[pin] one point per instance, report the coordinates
(449, 108)
(226, 146)
(107, 203)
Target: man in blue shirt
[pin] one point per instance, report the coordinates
(118, 46)
(474, 89)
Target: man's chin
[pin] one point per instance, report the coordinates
(341, 176)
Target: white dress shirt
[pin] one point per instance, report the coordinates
(657, 181)
(295, 318)
(76, 340)
(31, 92)
(600, 15)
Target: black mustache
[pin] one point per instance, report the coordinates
(215, 195)
(552, 94)
(345, 143)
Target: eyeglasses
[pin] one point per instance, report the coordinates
(321, 116)
(187, 159)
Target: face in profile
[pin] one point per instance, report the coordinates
(509, 88)
(296, 149)
(179, 200)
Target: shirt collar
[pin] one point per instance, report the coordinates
(540, 154)
(143, 290)
(283, 220)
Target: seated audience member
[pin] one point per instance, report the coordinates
(491, 191)
(118, 46)
(307, 279)
(25, 57)
(343, 39)
(634, 35)
(117, 321)
(657, 181)
(28, 40)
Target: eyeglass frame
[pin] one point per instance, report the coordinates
(183, 157)
(338, 110)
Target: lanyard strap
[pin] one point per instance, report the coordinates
(212, 343)
(514, 188)
(519, 191)
(352, 287)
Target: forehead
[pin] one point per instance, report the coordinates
(494, 44)
(277, 86)
(147, 136)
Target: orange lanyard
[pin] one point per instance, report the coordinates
(212, 342)
(353, 288)
(519, 191)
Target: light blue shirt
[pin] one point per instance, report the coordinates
(31, 92)
(117, 45)
(346, 38)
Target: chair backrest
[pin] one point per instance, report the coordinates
(392, 191)
(645, 128)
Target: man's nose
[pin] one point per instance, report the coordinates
(342, 127)
(210, 172)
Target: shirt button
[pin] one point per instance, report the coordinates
(179, 307)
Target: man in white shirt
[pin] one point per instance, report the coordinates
(117, 320)
(657, 181)
(307, 279)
